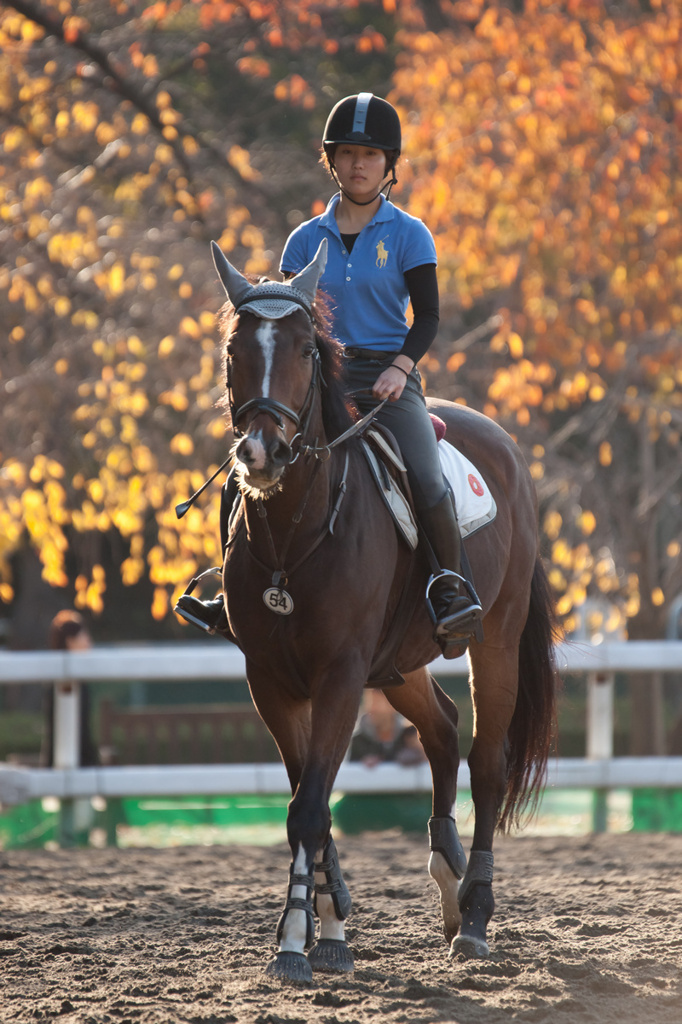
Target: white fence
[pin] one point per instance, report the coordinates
(171, 662)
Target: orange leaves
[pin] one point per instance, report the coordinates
(254, 67)
(370, 40)
(295, 90)
(73, 28)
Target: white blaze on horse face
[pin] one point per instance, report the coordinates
(265, 336)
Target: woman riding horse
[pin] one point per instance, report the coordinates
(379, 259)
(315, 575)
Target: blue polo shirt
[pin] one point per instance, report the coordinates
(366, 288)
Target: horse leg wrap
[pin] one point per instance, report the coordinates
(479, 872)
(334, 885)
(299, 903)
(444, 839)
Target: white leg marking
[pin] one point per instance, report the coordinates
(440, 872)
(330, 926)
(294, 933)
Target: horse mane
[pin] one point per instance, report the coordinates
(338, 409)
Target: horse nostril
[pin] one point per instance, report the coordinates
(243, 451)
(280, 453)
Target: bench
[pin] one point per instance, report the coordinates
(186, 734)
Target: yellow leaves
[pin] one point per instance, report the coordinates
(587, 522)
(240, 159)
(13, 138)
(182, 444)
(552, 524)
(455, 361)
(132, 570)
(115, 280)
(72, 248)
(140, 124)
(136, 347)
(517, 387)
(160, 604)
(190, 327)
(89, 592)
(44, 468)
(515, 343)
(166, 346)
(605, 454)
(36, 190)
(163, 153)
(85, 115)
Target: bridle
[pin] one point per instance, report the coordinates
(277, 410)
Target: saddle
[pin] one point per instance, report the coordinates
(390, 475)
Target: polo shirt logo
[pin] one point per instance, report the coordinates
(382, 254)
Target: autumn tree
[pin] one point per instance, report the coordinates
(544, 152)
(132, 134)
(541, 147)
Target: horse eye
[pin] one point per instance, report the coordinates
(308, 350)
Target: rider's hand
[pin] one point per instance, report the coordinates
(391, 382)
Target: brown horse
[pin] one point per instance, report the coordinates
(314, 572)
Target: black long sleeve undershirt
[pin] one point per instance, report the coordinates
(422, 284)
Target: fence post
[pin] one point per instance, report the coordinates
(66, 747)
(600, 723)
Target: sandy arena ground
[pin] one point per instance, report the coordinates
(586, 929)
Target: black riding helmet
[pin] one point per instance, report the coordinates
(364, 120)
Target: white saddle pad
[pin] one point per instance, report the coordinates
(475, 504)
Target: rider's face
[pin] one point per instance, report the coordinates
(360, 169)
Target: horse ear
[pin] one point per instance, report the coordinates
(306, 281)
(235, 284)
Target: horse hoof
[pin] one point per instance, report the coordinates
(467, 947)
(331, 955)
(292, 967)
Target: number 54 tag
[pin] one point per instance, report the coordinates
(278, 601)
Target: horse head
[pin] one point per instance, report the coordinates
(272, 367)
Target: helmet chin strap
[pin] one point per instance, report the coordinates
(366, 202)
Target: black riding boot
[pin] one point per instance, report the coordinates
(210, 615)
(451, 599)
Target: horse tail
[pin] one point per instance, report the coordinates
(533, 724)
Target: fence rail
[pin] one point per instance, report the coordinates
(171, 662)
(218, 660)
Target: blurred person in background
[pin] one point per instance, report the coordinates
(381, 734)
(68, 632)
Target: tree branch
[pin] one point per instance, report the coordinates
(114, 74)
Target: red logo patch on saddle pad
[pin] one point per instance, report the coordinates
(476, 485)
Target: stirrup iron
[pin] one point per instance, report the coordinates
(215, 570)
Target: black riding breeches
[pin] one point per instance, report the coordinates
(409, 422)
